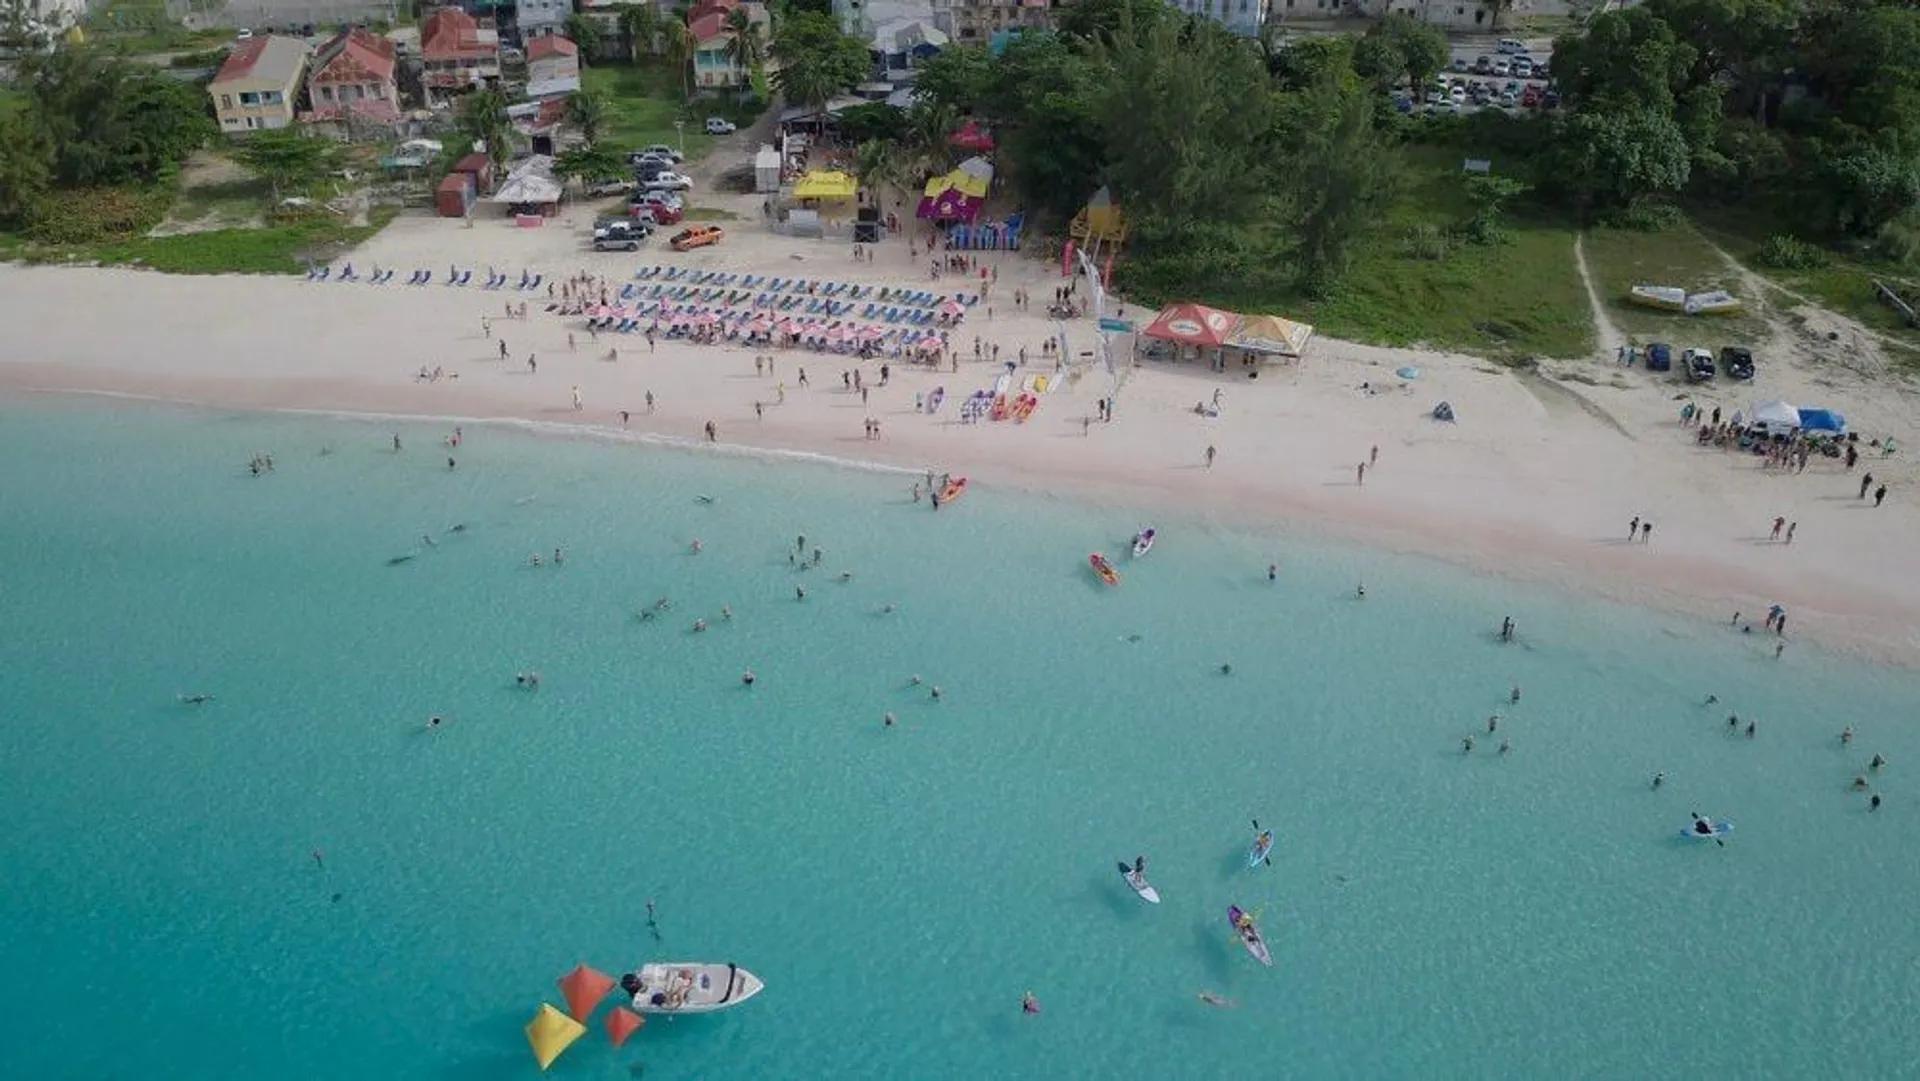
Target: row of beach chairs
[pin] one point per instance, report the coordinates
(831, 289)
(529, 281)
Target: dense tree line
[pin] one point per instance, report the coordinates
(1810, 105)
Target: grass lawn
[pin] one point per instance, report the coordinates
(1622, 258)
(643, 102)
(1844, 285)
(1515, 299)
(276, 249)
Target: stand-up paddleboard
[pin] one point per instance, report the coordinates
(1140, 885)
(1720, 829)
(1249, 935)
(1261, 849)
(1104, 569)
(1143, 541)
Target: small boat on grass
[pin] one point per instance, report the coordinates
(1666, 298)
(1143, 541)
(1104, 569)
(1716, 302)
(689, 987)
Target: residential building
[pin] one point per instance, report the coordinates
(972, 22)
(352, 76)
(259, 83)
(715, 67)
(900, 46)
(553, 66)
(458, 53)
(537, 18)
(1482, 15)
(1243, 17)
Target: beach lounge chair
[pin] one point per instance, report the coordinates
(425, 277)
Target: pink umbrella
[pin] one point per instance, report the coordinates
(951, 307)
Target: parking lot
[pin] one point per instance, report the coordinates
(1480, 75)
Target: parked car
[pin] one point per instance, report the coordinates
(1550, 100)
(719, 126)
(511, 55)
(657, 198)
(1502, 68)
(1483, 65)
(665, 151)
(1737, 361)
(243, 34)
(621, 236)
(600, 188)
(1511, 45)
(697, 237)
(656, 213)
(1458, 94)
(1659, 357)
(1530, 97)
(1697, 364)
(1522, 68)
(668, 181)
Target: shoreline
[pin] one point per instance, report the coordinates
(1403, 539)
(1535, 482)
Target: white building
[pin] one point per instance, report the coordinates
(1243, 17)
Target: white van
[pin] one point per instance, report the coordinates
(1511, 46)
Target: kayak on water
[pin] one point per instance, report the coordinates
(1104, 569)
(1249, 935)
(1143, 541)
(1139, 883)
(1706, 829)
(954, 490)
(1261, 850)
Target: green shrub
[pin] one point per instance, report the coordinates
(1425, 241)
(205, 58)
(92, 215)
(1788, 253)
(1642, 216)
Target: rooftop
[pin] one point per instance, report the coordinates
(269, 57)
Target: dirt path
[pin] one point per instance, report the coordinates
(1609, 338)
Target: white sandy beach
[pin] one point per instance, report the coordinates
(1538, 479)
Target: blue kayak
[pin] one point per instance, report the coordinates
(1262, 848)
(1720, 829)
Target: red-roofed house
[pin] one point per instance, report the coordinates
(258, 84)
(458, 52)
(553, 66)
(352, 74)
(714, 66)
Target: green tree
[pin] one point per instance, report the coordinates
(1625, 60)
(639, 26)
(585, 33)
(959, 78)
(109, 121)
(876, 162)
(748, 50)
(590, 164)
(483, 119)
(1613, 158)
(1489, 195)
(1400, 45)
(1048, 121)
(26, 166)
(816, 59)
(1304, 62)
(1861, 189)
(1103, 20)
(589, 112)
(874, 120)
(287, 158)
(680, 48)
(1337, 177)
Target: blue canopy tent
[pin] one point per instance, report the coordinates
(1823, 420)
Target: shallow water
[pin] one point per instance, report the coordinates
(1431, 913)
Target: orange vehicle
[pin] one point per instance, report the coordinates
(697, 237)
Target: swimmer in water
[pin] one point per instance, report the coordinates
(1212, 999)
(1711, 699)
(1273, 571)
(397, 560)
(913, 680)
(433, 721)
(1659, 779)
(887, 721)
(1846, 735)
(1514, 698)
(533, 560)
(457, 527)
(846, 576)
(936, 692)
(726, 611)
(1493, 723)
(1878, 761)
(1860, 784)
(799, 593)
(662, 604)
(1466, 745)
(1360, 591)
(1226, 669)
(703, 499)
(1873, 804)
(195, 699)
(1505, 746)
(558, 557)
(699, 625)
(426, 540)
(696, 546)
(747, 677)
(887, 610)
(1029, 1004)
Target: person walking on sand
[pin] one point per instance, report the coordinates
(1866, 482)
(569, 343)
(1791, 526)
(503, 349)
(1360, 475)
(1879, 495)
(1373, 456)
(1646, 532)
(1779, 523)
(1210, 453)
(649, 403)
(576, 398)
(396, 442)
(1633, 528)
(532, 366)
(713, 434)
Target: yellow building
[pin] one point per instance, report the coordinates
(259, 84)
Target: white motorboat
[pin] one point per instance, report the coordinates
(689, 987)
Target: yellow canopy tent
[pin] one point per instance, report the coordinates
(966, 183)
(551, 1032)
(1099, 220)
(1270, 334)
(825, 185)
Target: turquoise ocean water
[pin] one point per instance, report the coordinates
(1432, 914)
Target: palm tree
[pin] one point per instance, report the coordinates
(928, 127)
(875, 164)
(638, 24)
(680, 50)
(588, 111)
(747, 49)
(483, 118)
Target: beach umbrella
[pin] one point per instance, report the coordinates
(551, 1032)
(951, 308)
(584, 988)
(622, 1023)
